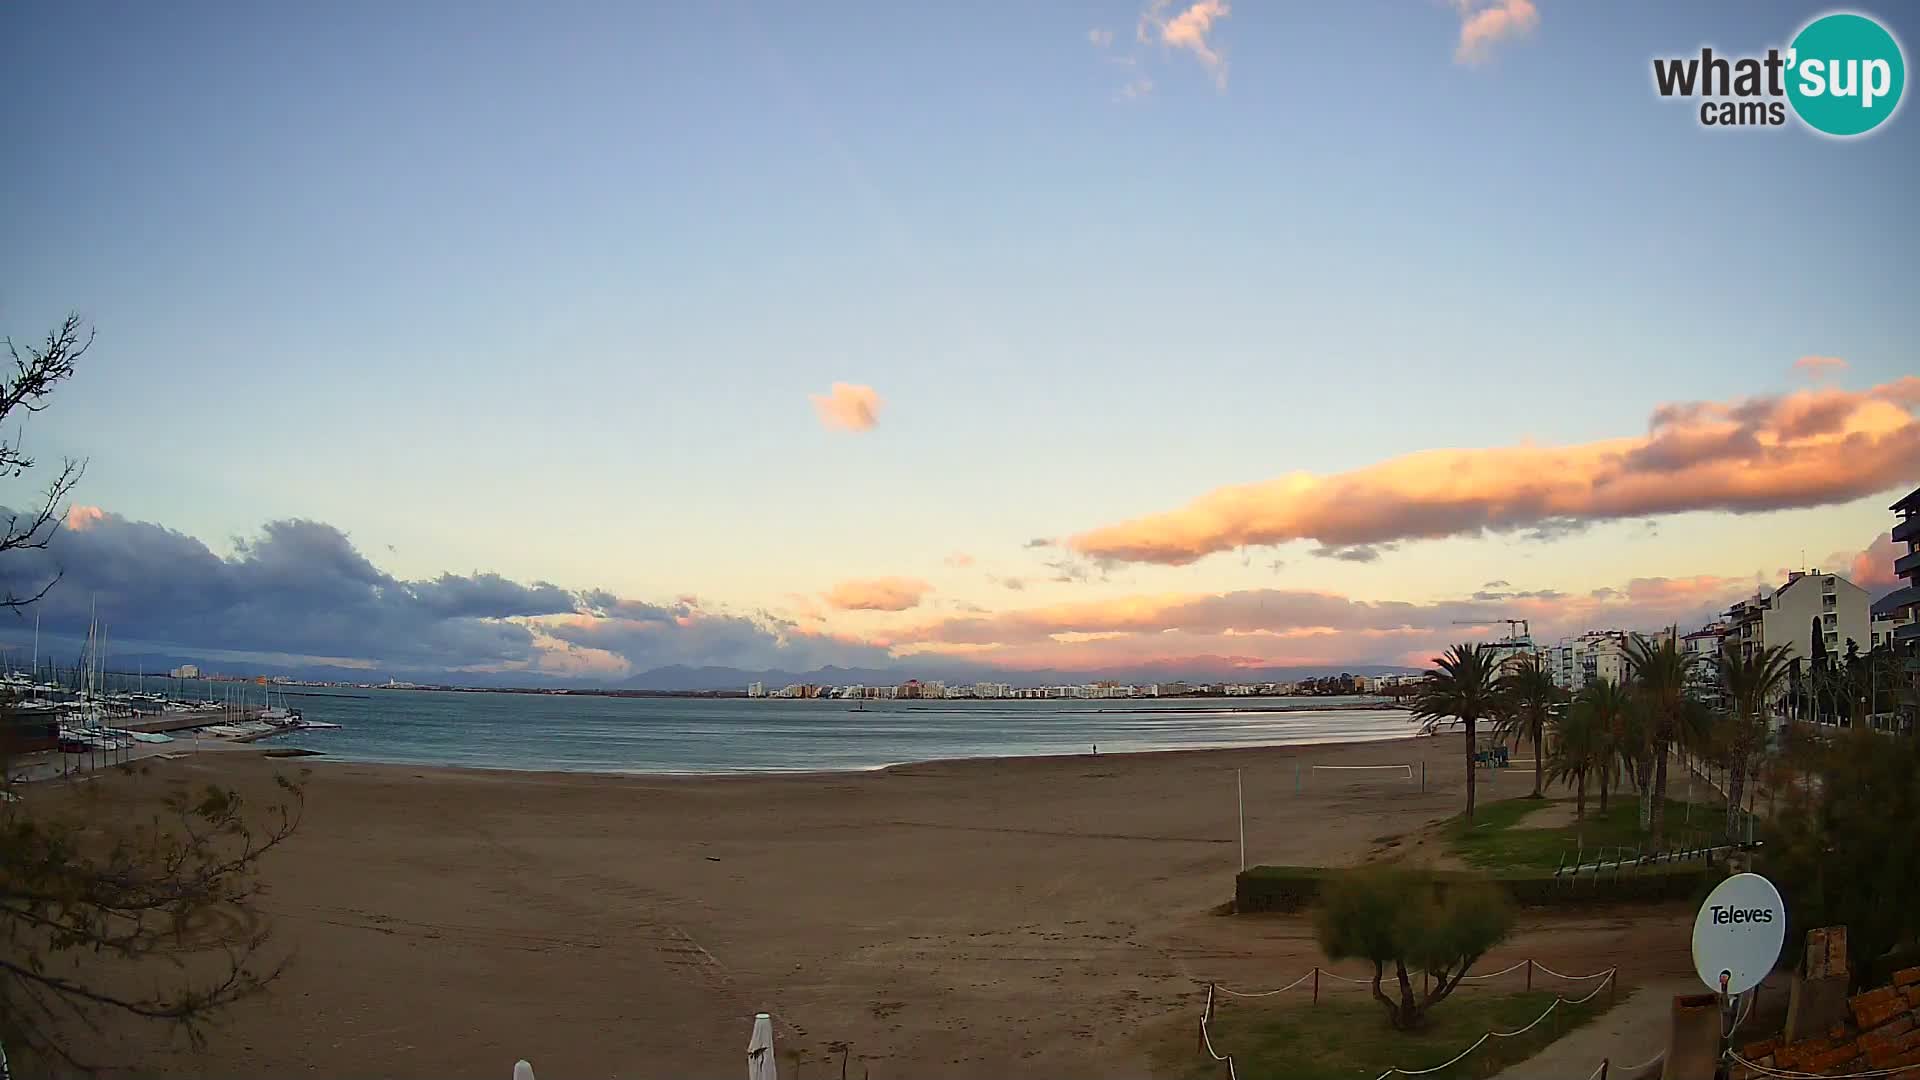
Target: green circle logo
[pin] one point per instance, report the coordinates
(1845, 74)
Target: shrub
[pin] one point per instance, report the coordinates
(1291, 889)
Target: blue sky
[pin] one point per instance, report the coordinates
(544, 292)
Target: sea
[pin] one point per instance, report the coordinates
(567, 732)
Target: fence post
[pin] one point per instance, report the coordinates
(1529, 974)
(1316, 984)
(1604, 1064)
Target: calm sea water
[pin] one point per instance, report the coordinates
(675, 735)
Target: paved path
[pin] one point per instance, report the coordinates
(1628, 1034)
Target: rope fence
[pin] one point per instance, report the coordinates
(1607, 981)
(1477, 1043)
(1316, 973)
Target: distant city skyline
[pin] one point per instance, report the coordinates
(574, 344)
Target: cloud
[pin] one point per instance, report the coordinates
(1484, 23)
(1014, 583)
(1138, 88)
(1814, 447)
(1819, 367)
(1188, 30)
(1871, 568)
(1354, 553)
(1100, 38)
(958, 560)
(878, 594)
(1038, 542)
(1283, 626)
(1497, 584)
(848, 407)
(301, 594)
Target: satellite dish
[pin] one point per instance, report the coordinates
(1738, 933)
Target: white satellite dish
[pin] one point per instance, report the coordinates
(1738, 933)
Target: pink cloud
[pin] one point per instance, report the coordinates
(1819, 367)
(1188, 30)
(1872, 568)
(1483, 24)
(80, 518)
(1282, 626)
(959, 559)
(848, 407)
(1813, 447)
(878, 594)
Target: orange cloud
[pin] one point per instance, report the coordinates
(1810, 448)
(959, 559)
(1482, 25)
(878, 594)
(80, 517)
(1819, 367)
(848, 407)
(1188, 30)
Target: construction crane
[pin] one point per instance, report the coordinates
(1517, 629)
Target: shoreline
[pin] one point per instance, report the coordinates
(889, 768)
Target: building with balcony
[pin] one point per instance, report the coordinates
(1789, 616)
(1584, 659)
(1907, 532)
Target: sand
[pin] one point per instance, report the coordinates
(1027, 917)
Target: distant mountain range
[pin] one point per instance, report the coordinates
(157, 662)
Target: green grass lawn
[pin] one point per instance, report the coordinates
(1349, 1039)
(1493, 841)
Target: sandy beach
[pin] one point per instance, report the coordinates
(1023, 917)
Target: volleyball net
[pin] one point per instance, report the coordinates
(1318, 774)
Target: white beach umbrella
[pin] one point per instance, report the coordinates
(522, 1070)
(760, 1050)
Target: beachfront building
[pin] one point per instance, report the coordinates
(1907, 533)
(1788, 617)
(186, 671)
(1584, 659)
(992, 690)
(755, 689)
(1888, 616)
(1702, 651)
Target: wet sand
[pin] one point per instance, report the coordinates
(1022, 917)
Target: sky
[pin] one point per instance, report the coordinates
(579, 340)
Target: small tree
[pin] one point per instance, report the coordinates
(1750, 683)
(1463, 684)
(1843, 849)
(1660, 681)
(1579, 752)
(1530, 698)
(1411, 923)
(104, 910)
(1615, 728)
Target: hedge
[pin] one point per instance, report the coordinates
(1294, 888)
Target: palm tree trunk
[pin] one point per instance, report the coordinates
(1605, 776)
(1580, 800)
(1641, 769)
(1659, 823)
(1539, 761)
(1736, 783)
(1470, 773)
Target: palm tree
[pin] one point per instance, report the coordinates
(1659, 671)
(1578, 752)
(1463, 685)
(1751, 684)
(1531, 696)
(1611, 708)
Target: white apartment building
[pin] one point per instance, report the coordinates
(186, 671)
(1579, 661)
(756, 689)
(1788, 617)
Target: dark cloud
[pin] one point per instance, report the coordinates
(1497, 584)
(1038, 542)
(302, 590)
